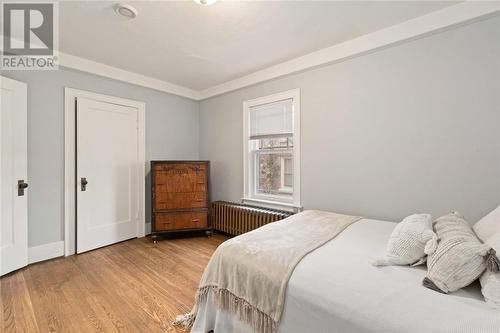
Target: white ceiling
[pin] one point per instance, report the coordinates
(198, 47)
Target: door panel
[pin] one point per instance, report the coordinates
(13, 167)
(107, 157)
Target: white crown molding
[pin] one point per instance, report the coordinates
(89, 66)
(100, 69)
(445, 18)
(438, 20)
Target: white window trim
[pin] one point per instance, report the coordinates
(271, 201)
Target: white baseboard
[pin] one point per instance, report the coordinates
(148, 228)
(45, 252)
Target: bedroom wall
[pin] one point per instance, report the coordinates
(410, 128)
(171, 133)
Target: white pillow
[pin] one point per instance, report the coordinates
(410, 241)
(488, 225)
(460, 257)
(490, 282)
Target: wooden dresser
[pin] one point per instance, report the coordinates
(179, 196)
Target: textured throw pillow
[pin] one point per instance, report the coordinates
(410, 240)
(488, 225)
(490, 281)
(460, 257)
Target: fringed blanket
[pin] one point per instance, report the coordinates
(248, 274)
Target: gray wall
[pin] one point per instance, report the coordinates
(171, 133)
(410, 128)
(414, 127)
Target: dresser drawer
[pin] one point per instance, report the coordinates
(201, 182)
(178, 221)
(180, 182)
(174, 183)
(179, 168)
(169, 200)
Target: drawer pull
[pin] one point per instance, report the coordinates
(167, 222)
(199, 200)
(201, 183)
(195, 220)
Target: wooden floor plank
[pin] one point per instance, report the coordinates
(133, 286)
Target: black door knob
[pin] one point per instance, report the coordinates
(83, 183)
(21, 186)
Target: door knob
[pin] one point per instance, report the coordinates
(21, 186)
(83, 183)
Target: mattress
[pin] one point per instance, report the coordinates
(336, 289)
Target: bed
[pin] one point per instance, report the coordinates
(336, 289)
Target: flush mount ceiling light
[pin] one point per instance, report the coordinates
(205, 2)
(126, 10)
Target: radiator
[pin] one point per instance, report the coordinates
(236, 219)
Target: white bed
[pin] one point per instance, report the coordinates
(336, 289)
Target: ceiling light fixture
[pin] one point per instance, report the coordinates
(205, 2)
(126, 10)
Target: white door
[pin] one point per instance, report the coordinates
(107, 173)
(13, 176)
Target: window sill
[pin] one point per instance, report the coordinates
(274, 204)
(285, 190)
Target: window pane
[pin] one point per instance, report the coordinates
(271, 143)
(271, 175)
(288, 166)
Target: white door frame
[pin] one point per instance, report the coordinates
(70, 95)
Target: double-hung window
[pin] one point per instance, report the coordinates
(272, 149)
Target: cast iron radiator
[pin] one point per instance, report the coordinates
(236, 219)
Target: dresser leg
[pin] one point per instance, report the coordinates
(154, 238)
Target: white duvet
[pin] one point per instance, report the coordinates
(336, 289)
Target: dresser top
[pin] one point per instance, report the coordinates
(179, 161)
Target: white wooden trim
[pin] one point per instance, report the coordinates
(89, 66)
(100, 69)
(273, 204)
(432, 22)
(69, 160)
(141, 145)
(295, 95)
(45, 252)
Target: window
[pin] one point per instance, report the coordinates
(286, 174)
(271, 149)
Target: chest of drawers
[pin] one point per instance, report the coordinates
(179, 196)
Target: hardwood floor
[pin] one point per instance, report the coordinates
(134, 286)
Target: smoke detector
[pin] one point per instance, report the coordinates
(127, 10)
(205, 2)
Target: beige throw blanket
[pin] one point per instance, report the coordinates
(248, 274)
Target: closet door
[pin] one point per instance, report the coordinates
(13, 176)
(108, 178)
